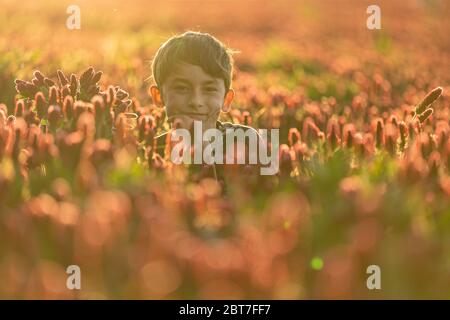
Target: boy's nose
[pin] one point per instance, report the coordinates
(196, 101)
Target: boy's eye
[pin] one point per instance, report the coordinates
(181, 88)
(211, 89)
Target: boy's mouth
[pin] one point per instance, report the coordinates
(196, 115)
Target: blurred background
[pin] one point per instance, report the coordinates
(121, 38)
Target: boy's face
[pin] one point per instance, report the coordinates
(189, 94)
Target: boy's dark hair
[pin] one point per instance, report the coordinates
(197, 48)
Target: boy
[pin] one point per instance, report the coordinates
(192, 74)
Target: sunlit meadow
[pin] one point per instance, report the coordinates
(364, 157)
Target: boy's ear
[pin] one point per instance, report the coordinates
(228, 100)
(156, 96)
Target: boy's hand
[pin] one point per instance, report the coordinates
(181, 122)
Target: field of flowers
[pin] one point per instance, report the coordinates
(364, 119)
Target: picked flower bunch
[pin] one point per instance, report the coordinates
(58, 104)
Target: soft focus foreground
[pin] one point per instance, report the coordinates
(364, 161)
